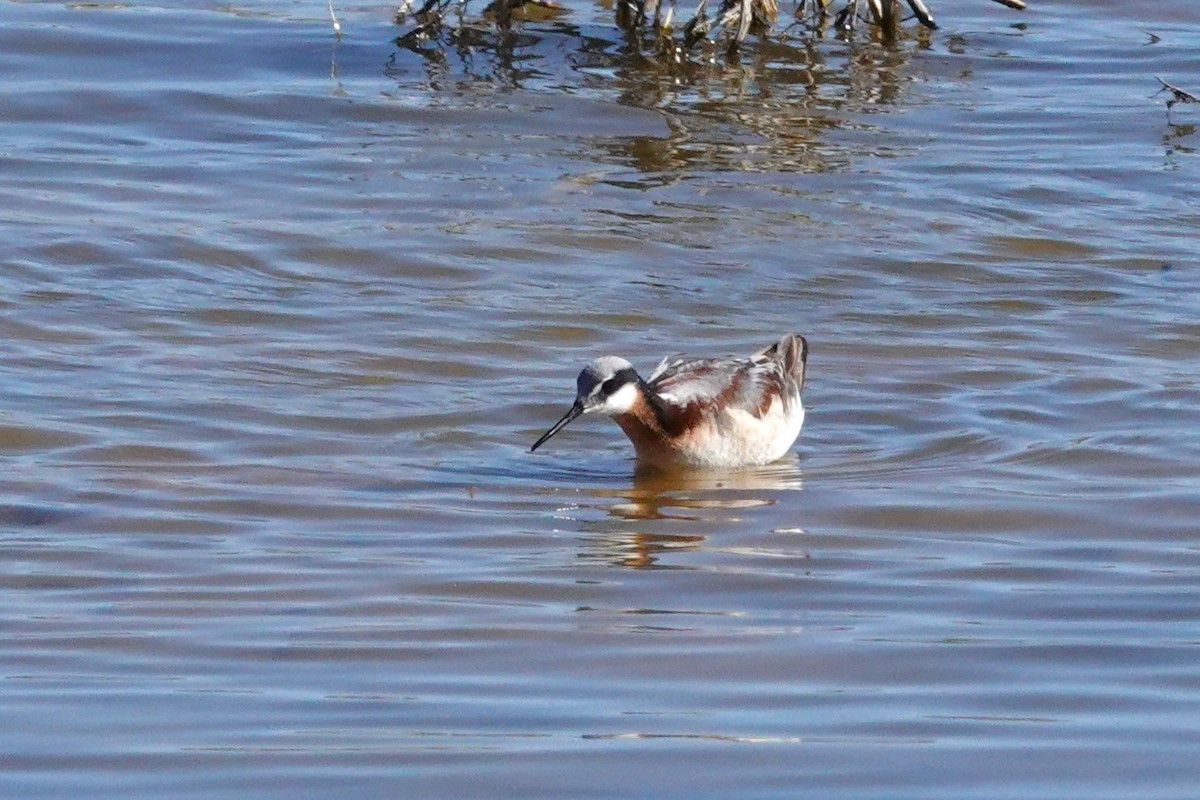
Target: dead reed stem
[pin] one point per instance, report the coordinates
(732, 20)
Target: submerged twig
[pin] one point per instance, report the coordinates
(819, 9)
(923, 15)
(337, 26)
(742, 17)
(885, 14)
(848, 16)
(697, 27)
(1177, 95)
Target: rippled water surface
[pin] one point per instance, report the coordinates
(281, 315)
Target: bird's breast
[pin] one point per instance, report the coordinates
(722, 436)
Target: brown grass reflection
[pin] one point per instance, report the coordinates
(772, 109)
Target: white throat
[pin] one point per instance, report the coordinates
(620, 402)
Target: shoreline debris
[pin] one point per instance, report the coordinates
(1177, 95)
(732, 21)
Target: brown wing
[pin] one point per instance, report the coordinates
(685, 393)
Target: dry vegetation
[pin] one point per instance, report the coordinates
(727, 22)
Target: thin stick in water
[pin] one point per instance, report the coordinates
(1177, 95)
(923, 15)
(337, 26)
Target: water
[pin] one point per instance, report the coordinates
(282, 315)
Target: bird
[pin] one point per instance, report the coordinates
(700, 412)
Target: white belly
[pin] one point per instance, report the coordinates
(735, 438)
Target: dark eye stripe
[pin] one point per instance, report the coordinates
(610, 385)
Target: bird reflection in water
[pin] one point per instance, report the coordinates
(678, 510)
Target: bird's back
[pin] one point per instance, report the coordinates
(731, 411)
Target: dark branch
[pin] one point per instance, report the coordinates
(1177, 95)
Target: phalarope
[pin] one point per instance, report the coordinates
(707, 412)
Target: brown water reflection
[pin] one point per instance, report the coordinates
(686, 507)
(654, 492)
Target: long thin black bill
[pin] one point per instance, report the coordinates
(575, 411)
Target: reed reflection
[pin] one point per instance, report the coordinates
(459, 58)
(679, 510)
(771, 109)
(1177, 142)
